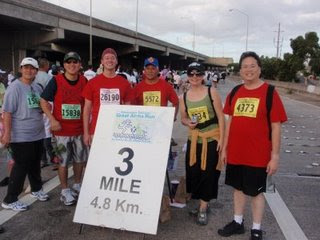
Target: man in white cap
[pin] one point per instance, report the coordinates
(23, 132)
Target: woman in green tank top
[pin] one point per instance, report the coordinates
(201, 112)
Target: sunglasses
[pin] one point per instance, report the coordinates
(197, 74)
(72, 61)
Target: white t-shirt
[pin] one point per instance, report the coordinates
(89, 74)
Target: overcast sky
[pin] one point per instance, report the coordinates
(218, 31)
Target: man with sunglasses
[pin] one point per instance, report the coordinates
(64, 90)
(23, 132)
(153, 91)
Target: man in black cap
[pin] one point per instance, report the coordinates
(64, 90)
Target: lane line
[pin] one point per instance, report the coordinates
(6, 215)
(288, 225)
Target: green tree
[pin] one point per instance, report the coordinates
(289, 67)
(234, 66)
(270, 67)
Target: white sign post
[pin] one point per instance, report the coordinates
(123, 183)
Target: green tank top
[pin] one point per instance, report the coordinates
(204, 111)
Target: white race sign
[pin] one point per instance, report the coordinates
(123, 183)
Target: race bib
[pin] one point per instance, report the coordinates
(246, 107)
(33, 100)
(201, 113)
(110, 96)
(71, 111)
(152, 98)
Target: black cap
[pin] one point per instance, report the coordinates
(195, 66)
(72, 55)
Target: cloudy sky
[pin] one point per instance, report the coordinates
(219, 32)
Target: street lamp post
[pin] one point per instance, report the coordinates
(90, 41)
(193, 32)
(247, 16)
(137, 14)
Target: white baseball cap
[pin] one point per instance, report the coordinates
(29, 61)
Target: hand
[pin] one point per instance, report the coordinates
(55, 125)
(272, 166)
(191, 124)
(87, 139)
(5, 140)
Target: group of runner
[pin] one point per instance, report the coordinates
(247, 142)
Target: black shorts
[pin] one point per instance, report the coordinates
(250, 180)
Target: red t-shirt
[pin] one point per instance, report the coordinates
(248, 142)
(68, 106)
(157, 94)
(103, 90)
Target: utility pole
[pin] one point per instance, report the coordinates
(278, 42)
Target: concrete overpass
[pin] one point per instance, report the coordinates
(30, 26)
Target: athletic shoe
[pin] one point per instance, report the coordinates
(256, 234)
(15, 206)
(231, 228)
(194, 212)
(66, 197)
(202, 218)
(40, 195)
(76, 187)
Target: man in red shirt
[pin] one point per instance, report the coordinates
(106, 88)
(153, 91)
(251, 155)
(64, 90)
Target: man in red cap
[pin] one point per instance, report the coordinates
(106, 88)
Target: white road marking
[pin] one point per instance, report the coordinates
(289, 226)
(6, 215)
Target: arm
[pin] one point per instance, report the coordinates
(176, 110)
(225, 142)
(46, 108)
(87, 138)
(7, 128)
(272, 166)
(185, 120)
(221, 120)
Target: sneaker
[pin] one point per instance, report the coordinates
(76, 188)
(202, 218)
(15, 206)
(231, 228)
(194, 212)
(256, 234)
(66, 197)
(40, 195)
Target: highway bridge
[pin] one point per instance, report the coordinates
(34, 27)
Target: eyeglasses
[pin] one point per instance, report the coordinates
(197, 74)
(72, 61)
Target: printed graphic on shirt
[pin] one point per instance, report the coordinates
(152, 98)
(110, 96)
(71, 111)
(246, 107)
(201, 113)
(33, 100)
